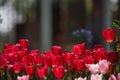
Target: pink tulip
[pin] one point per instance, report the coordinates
(96, 76)
(118, 77)
(24, 77)
(80, 78)
(112, 77)
(93, 68)
(104, 66)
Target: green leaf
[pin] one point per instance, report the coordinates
(116, 23)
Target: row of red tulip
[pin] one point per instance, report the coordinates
(16, 58)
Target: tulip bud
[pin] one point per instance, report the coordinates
(24, 43)
(109, 35)
(55, 60)
(3, 61)
(69, 58)
(58, 72)
(79, 48)
(17, 67)
(28, 60)
(56, 50)
(42, 72)
(29, 70)
(79, 65)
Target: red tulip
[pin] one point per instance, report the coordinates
(100, 54)
(55, 60)
(109, 35)
(11, 57)
(28, 60)
(3, 61)
(113, 57)
(47, 60)
(42, 72)
(34, 52)
(29, 70)
(6, 46)
(96, 46)
(58, 72)
(79, 48)
(24, 43)
(18, 67)
(89, 59)
(56, 50)
(10, 68)
(21, 54)
(14, 48)
(88, 52)
(79, 64)
(5, 51)
(39, 60)
(69, 58)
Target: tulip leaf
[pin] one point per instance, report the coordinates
(116, 23)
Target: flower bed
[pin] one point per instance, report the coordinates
(17, 62)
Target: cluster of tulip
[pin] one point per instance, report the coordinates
(19, 63)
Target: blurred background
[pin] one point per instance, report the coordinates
(56, 22)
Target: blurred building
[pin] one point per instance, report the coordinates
(53, 22)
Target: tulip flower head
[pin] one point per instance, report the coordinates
(24, 43)
(42, 72)
(79, 65)
(79, 48)
(18, 67)
(104, 66)
(93, 68)
(80, 78)
(109, 35)
(3, 61)
(59, 72)
(96, 76)
(29, 70)
(24, 77)
(112, 77)
(118, 76)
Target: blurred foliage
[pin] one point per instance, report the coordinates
(24, 5)
(116, 24)
(27, 8)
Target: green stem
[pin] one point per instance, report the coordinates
(15, 76)
(110, 46)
